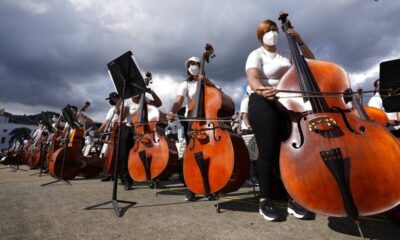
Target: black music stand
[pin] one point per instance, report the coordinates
(73, 123)
(129, 82)
(389, 76)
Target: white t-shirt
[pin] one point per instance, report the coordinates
(187, 90)
(244, 108)
(271, 65)
(111, 114)
(376, 102)
(133, 108)
(36, 135)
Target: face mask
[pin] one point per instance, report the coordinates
(270, 38)
(194, 70)
(111, 102)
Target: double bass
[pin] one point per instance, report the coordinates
(215, 160)
(34, 151)
(367, 112)
(153, 156)
(55, 140)
(66, 160)
(333, 163)
(111, 141)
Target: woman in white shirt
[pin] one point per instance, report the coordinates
(187, 90)
(265, 67)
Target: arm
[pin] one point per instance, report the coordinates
(175, 108)
(125, 112)
(254, 80)
(246, 120)
(305, 50)
(103, 126)
(156, 100)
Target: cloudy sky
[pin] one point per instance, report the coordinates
(55, 52)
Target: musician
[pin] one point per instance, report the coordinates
(245, 126)
(187, 90)
(376, 102)
(264, 68)
(134, 105)
(235, 123)
(36, 135)
(133, 108)
(246, 129)
(126, 137)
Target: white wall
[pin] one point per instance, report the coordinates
(6, 128)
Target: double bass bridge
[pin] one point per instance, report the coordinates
(202, 136)
(321, 123)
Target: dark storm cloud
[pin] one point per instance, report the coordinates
(56, 53)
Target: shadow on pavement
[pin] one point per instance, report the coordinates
(372, 228)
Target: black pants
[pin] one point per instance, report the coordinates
(125, 146)
(269, 126)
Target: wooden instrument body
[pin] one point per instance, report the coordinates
(32, 156)
(112, 151)
(93, 166)
(55, 143)
(72, 161)
(153, 155)
(224, 155)
(368, 165)
(375, 114)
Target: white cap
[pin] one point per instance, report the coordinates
(192, 59)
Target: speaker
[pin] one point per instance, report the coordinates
(390, 85)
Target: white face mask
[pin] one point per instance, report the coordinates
(270, 38)
(194, 70)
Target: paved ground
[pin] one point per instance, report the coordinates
(29, 211)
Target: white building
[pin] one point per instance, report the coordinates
(6, 127)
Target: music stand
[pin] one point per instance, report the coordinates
(129, 82)
(389, 76)
(73, 123)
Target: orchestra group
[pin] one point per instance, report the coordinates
(203, 140)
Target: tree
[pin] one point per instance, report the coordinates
(19, 134)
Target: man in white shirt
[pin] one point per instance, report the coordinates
(126, 137)
(376, 102)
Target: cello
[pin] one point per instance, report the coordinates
(153, 156)
(215, 160)
(333, 161)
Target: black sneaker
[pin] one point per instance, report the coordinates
(299, 212)
(209, 197)
(106, 178)
(157, 185)
(268, 211)
(128, 185)
(190, 197)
